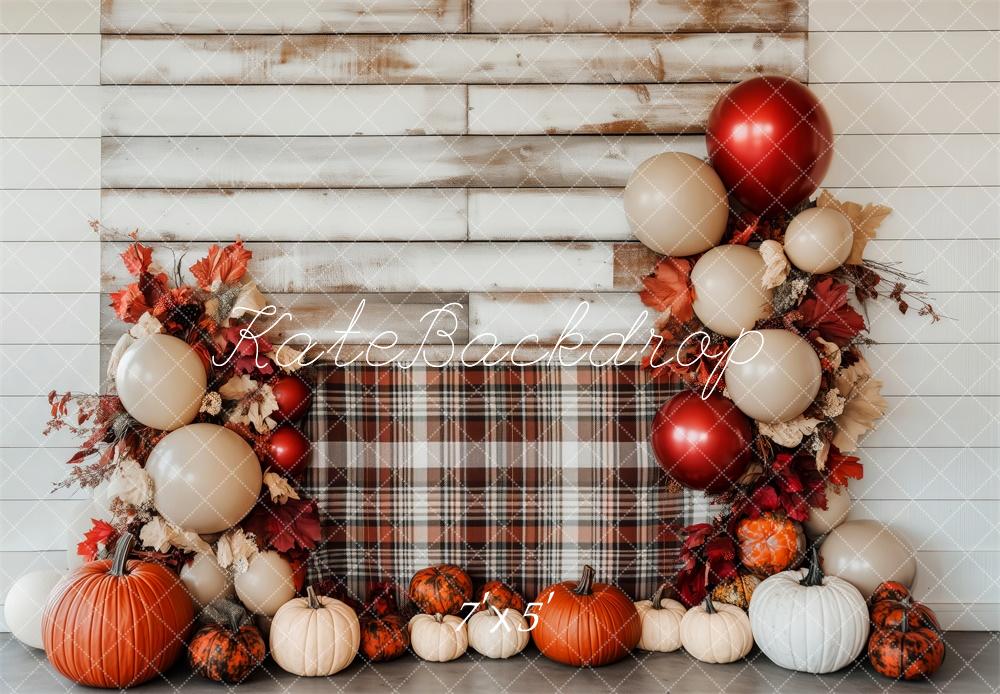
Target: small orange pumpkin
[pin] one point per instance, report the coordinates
(384, 637)
(230, 647)
(770, 543)
(906, 652)
(894, 603)
(441, 589)
(737, 590)
(116, 623)
(501, 596)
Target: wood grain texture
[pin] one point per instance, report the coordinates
(536, 214)
(577, 108)
(448, 59)
(285, 110)
(282, 17)
(637, 15)
(912, 15)
(423, 214)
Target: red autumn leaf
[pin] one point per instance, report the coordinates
(796, 507)
(764, 499)
(826, 311)
(137, 258)
(101, 532)
(697, 534)
(285, 526)
(668, 288)
(225, 265)
(842, 467)
(719, 548)
(129, 303)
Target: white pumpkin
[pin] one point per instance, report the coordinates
(25, 603)
(808, 622)
(498, 635)
(314, 636)
(438, 638)
(716, 632)
(266, 585)
(661, 623)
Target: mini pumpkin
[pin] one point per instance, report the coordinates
(906, 652)
(314, 636)
(440, 589)
(661, 623)
(438, 638)
(384, 637)
(716, 633)
(891, 602)
(737, 590)
(770, 543)
(498, 633)
(501, 596)
(229, 647)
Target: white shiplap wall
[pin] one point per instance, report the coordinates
(912, 86)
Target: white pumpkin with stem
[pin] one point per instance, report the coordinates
(438, 638)
(716, 632)
(314, 636)
(498, 634)
(661, 622)
(809, 622)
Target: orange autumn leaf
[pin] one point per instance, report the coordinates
(137, 258)
(129, 303)
(668, 288)
(223, 265)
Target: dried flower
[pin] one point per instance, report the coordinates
(161, 535)
(831, 352)
(832, 403)
(235, 550)
(249, 300)
(211, 404)
(255, 405)
(279, 488)
(790, 433)
(863, 404)
(148, 324)
(131, 484)
(776, 265)
(117, 352)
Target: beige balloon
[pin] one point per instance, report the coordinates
(772, 375)
(206, 478)
(838, 504)
(819, 239)
(161, 382)
(729, 296)
(266, 585)
(676, 204)
(865, 553)
(206, 581)
(25, 603)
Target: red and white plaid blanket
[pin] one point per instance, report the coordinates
(518, 474)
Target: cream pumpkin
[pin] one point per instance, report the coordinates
(661, 623)
(716, 633)
(438, 638)
(498, 635)
(314, 636)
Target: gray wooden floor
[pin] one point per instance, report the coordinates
(972, 666)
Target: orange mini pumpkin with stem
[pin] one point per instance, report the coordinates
(770, 543)
(501, 596)
(441, 589)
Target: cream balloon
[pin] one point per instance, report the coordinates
(206, 478)
(819, 239)
(266, 585)
(206, 581)
(25, 603)
(772, 375)
(865, 553)
(729, 296)
(676, 204)
(161, 382)
(820, 521)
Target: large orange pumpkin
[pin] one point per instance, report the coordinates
(116, 623)
(583, 623)
(440, 589)
(770, 543)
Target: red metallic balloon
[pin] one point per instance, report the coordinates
(703, 444)
(771, 143)
(294, 397)
(288, 450)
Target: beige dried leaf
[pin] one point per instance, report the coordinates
(278, 488)
(865, 221)
(863, 404)
(776, 265)
(235, 550)
(790, 433)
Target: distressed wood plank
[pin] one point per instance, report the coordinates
(637, 15)
(911, 15)
(423, 214)
(578, 108)
(285, 110)
(379, 162)
(535, 214)
(455, 58)
(282, 17)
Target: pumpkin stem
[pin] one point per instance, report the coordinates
(904, 626)
(586, 583)
(313, 601)
(709, 606)
(658, 597)
(814, 577)
(119, 565)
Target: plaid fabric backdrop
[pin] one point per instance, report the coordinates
(518, 474)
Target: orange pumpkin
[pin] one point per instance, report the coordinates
(583, 623)
(501, 596)
(737, 590)
(440, 589)
(229, 648)
(770, 543)
(893, 603)
(906, 652)
(116, 623)
(889, 590)
(384, 637)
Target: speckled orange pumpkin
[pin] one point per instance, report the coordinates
(501, 596)
(440, 589)
(906, 653)
(384, 637)
(228, 649)
(892, 601)
(736, 591)
(770, 544)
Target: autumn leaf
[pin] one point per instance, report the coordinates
(285, 526)
(129, 303)
(668, 288)
(843, 467)
(137, 258)
(826, 311)
(865, 221)
(864, 404)
(100, 534)
(223, 265)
